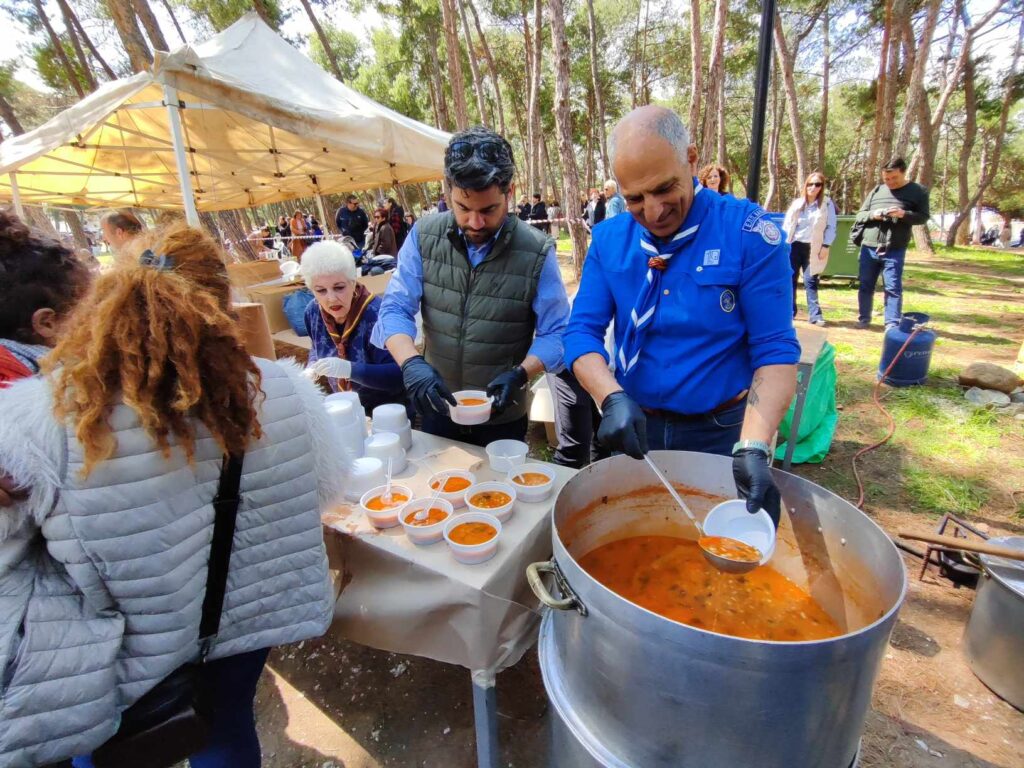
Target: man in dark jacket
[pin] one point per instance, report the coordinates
(352, 220)
(888, 213)
(523, 210)
(539, 213)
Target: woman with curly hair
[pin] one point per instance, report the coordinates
(122, 442)
(715, 178)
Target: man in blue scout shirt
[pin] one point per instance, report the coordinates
(699, 286)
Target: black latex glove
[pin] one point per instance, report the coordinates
(425, 387)
(623, 425)
(505, 387)
(754, 483)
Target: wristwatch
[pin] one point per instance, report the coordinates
(757, 445)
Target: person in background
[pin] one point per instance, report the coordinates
(284, 230)
(442, 204)
(699, 287)
(352, 220)
(313, 228)
(523, 211)
(382, 236)
(396, 217)
(539, 214)
(267, 236)
(339, 322)
(145, 394)
(299, 243)
(555, 212)
(810, 227)
(410, 219)
(488, 286)
(715, 178)
(41, 282)
(614, 202)
(596, 209)
(888, 213)
(1005, 234)
(119, 228)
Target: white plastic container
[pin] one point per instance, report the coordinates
(503, 512)
(532, 493)
(390, 417)
(404, 434)
(384, 446)
(425, 534)
(341, 414)
(473, 554)
(387, 518)
(731, 520)
(503, 455)
(456, 498)
(468, 415)
(357, 407)
(365, 473)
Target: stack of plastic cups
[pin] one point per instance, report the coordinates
(342, 418)
(360, 412)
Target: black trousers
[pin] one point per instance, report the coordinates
(576, 422)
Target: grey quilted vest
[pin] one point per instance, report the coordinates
(479, 322)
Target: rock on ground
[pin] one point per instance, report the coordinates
(989, 376)
(984, 397)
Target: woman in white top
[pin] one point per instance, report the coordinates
(810, 227)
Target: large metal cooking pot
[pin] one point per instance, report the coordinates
(631, 689)
(995, 632)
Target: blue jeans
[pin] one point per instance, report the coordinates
(233, 684)
(712, 433)
(800, 258)
(890, 266)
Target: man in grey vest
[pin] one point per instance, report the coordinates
(488, 286)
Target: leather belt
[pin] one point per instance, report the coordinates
(673, 416)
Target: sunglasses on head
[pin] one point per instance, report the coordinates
(815, 184)
(487, 150)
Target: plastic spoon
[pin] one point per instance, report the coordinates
(386, 498)
(422, 514)
(721, 563)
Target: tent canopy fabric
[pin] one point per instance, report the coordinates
(261, 123)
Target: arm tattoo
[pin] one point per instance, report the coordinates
(753, 397)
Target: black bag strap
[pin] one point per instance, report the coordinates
(225, 507)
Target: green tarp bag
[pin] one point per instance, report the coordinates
(818, 421)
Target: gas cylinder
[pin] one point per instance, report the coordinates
(912, 366)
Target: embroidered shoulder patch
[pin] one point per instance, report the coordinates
(769, 232)
(752, 220)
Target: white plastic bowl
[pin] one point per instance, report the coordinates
(384, 446)
(468, 415)
(473, 554)
(290, 268)
(457, 498)
(404, 434)
(503, 455)
(503, 512)
(532, 493)
(387, 518)
(366, 473)
(390, 417)
(425, 534)
(731, 520)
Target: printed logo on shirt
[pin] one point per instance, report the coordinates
(769, 232)
(712, 257)
(727, 301)
(751, 222)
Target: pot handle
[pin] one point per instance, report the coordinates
(534, 575)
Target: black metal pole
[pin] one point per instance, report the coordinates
(764, 69)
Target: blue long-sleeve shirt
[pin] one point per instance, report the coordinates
(405, 291)
(725, 307)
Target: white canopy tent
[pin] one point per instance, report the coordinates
(240, 120)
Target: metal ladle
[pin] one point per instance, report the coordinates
(721, 563)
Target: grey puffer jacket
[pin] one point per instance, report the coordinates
(102, 579)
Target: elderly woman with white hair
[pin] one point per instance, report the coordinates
(339, 322)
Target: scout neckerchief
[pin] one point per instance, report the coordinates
(658, 256)
(361, 298)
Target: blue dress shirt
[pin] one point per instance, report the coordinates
(615, 205)
(725, 308)
(405, 291)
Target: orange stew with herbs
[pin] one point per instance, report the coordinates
(490, 499)
(452, 484)
(670, 577)
(434, 515)
(531, 478)
(472, 533)
(377, 503)
(730, 549)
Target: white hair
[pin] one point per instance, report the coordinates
(327, 258)
(611, 183)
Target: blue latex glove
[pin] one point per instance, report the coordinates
(505, 387)
(754, 482)
(623, 425)
(425, 387)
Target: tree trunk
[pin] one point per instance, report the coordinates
(490, 67)
(826, 66)
(887, 116)
(915, 90)
(474, 68)
(721, 156)
(443, 115)
(563, 122)
(598, 97)
(716, 75)
(58, 49)
(151, 25)
(8, 116)
(74, 222)
(264, 12)
(773, 145)
(174, 21)
(870, 169)
(536, 71)
(90, 45)
(787, 61)
(83, 62)
(696, 71)
(123, 15)
(325, 43)
(556, 191)
(458, 83)
(966, 147)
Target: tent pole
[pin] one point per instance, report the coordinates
(16, 195)
(184, 176)
(320, 208)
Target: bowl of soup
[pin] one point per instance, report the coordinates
(533, 482)
(452, 485)
(472, 537)
(473, 406)
(426, 528)
(493, 498)
(383, 512)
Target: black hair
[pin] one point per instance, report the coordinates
(351, 199)
(474, 172)
(126, 220)
(896, 164)
(536, 195)
(36, 272)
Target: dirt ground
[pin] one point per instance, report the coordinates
(332, 704)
